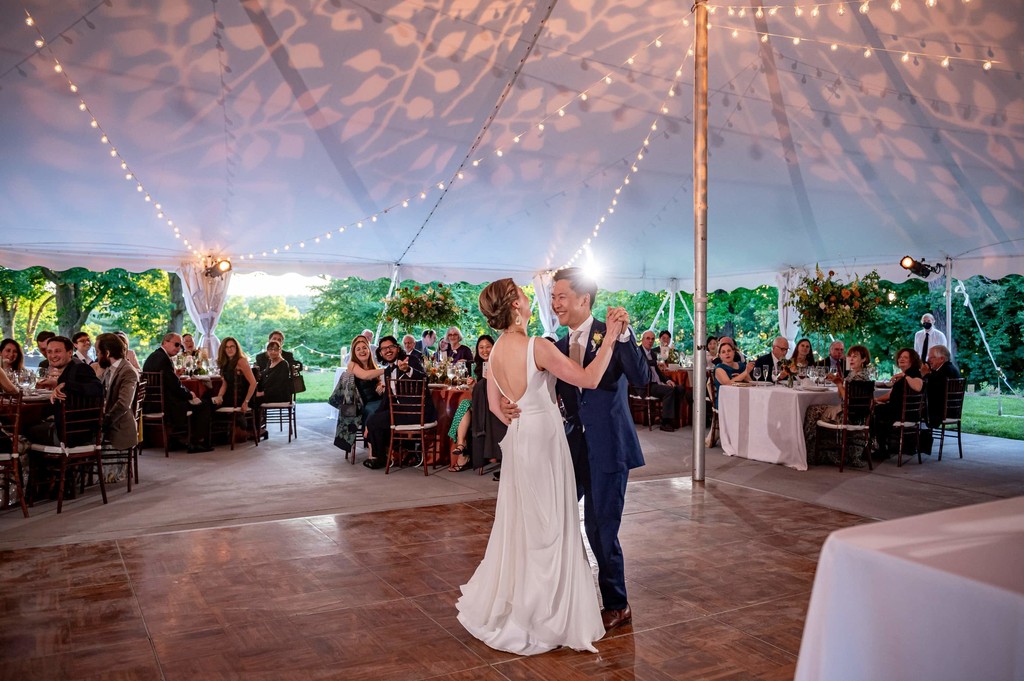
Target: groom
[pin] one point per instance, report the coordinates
(600, 431)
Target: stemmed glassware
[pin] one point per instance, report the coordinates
(450, 371)
(757, 374)
(776, 372)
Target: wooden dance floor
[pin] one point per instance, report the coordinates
(719, 579)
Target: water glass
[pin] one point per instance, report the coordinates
(757, 373)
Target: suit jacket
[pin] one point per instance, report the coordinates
(767, 364)
(935, 384)
(422, 350)
(415, 373)
(80, 380)
(827, 363)
(652, 362)
(610, 440)
(262, 361)
(176, 395)
(119, 424)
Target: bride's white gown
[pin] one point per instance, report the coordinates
(534, 590)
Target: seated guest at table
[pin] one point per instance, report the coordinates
(858, 359)
(426, 341)
(937, 373)
(397, 366)
(120, 380)
(42, 338)
(774, 359)
(72, 377)
(188, 346)
(357, 395)
(129, 354)
(12, 357)
(234, 366)
(729, 369)
(262, 360)
(368, 376)
(456, 351)
(409, 345)
(369, 339)
(738, 356)
(179, 400)
(462, 420)
(803, 356)
(82, 344)
(275, 384)
(660, 385)
(664, 346)
(888, 407)
(835, 362)
(710, 350)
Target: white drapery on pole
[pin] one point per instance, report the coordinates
(789, 318)
(204, 300)
(542, 285)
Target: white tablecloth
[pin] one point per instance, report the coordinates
(936, 596)
(766, 423)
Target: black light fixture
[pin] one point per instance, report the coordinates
(920, 267)
(218, 268)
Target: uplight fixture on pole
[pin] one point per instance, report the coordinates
(920, 267)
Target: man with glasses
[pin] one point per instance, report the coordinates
(397, 366)
(179, 400)
(82, 344)
(770, 360)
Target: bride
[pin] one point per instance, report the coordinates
(534, 590)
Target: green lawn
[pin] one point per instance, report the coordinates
(981, 416)
(980, 412)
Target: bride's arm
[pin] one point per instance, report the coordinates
(548, 357)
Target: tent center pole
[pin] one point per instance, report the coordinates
(700, 230)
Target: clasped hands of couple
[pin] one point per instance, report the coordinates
(616, 323)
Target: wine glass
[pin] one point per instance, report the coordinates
(757, 374)
(450, 372)
(776, 372)
(26, 379)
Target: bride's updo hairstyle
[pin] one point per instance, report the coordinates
(496, 303)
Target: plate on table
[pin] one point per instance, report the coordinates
(813, 388)
(882, 384)
(436, 386)
(742, 384)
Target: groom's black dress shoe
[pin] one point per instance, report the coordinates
(616, 618)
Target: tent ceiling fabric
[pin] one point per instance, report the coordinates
(258, 124)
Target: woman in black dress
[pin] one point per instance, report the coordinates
(276, 377)
(887, 407)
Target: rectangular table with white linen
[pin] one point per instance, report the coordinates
(935, 596)
(766, 423)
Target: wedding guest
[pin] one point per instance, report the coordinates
(774, 360)
(937, 373)
(368, 376)
(262, 360)
(397, 366)
(660, 386)
(803, 356)
(463, 418)
(728, 340)
(234, 364)
(858, 359)
(834, 361)
(888, 407)
(179, 400)
(42, 338)
(188, 346)
(409, 345)
(82, 344)
(730, 369)
(928, 336)
(426, 341)
(369, 339)
(357, 395)
(711, 350)
(13, 358)
(71, 377)
(275, 383)
(119, 383)
(456, 351)
(664, 346)
(129, 354)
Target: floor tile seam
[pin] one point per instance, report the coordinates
(791, 498)
(893, 476)
(758, 638)
(454, 634)
(142, 612)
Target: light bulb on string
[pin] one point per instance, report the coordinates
(815, 12)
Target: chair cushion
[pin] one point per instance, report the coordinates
(411, 428)
(951, 421)
(154, 415)
(8, 456)
(841, 426)
(278, 405)
(52, 449)
(229, 410)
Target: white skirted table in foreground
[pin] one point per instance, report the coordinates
(936, 596)
(766, 423)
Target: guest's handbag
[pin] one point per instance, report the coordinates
(298, 383)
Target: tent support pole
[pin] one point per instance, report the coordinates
(657, 316)
(672, 308)
(949, 309)
(685, 306)
(700, 229)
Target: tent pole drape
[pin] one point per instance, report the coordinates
(700, 229)
(542, 284)
(204, 301)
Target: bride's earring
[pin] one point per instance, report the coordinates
(518, 321)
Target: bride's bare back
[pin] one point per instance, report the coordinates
(507, 364)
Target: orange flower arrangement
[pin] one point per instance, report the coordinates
(414, 306)
(827, 305)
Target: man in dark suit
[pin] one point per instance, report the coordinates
(426, 342)
(937, 372)
(661, 386)
(179, 400)
(68, 377)
(600, 431)
(771, 359)
(835, 360)
(397, 366)
(262, 361)
(120, 379)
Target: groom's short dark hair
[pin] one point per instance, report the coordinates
(580, 282)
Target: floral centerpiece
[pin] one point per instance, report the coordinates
(418, 306)
(827, 305)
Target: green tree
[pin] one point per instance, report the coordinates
(250, 321)
(115, 292)
(23, 294)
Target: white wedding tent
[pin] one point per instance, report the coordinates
(471, 139)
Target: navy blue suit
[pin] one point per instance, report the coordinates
(604, 448)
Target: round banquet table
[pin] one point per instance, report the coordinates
(201, 385)
(446, 401)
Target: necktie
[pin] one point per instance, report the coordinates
(924, 348)
(575, 349)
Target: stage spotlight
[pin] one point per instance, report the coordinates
(218, 268)
(919, 267)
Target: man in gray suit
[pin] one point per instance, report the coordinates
(120, 379)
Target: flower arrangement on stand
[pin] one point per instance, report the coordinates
(829, 306)
(418, 306)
